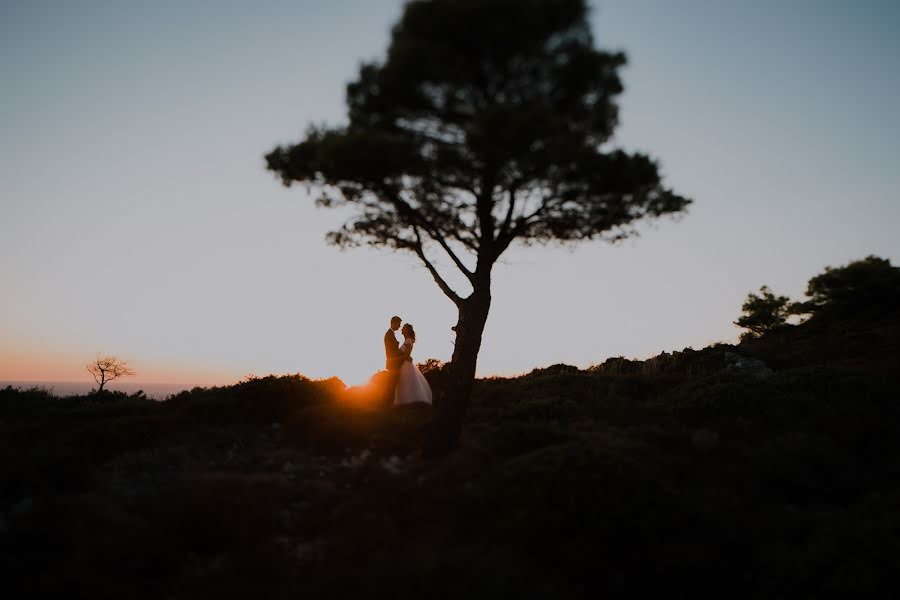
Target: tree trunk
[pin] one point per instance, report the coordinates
(450, 406)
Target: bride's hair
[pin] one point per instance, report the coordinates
(409, 332)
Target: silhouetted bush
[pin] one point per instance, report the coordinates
(763, 313)
(865, 289)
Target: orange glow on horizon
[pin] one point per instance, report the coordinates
(55, 366)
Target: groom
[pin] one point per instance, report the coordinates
(393, 359)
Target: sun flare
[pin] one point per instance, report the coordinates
(356, 376)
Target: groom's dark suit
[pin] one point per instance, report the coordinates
(393, 362)
(393, 356)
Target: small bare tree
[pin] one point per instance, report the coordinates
(106, 368)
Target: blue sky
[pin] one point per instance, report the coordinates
(136, 216)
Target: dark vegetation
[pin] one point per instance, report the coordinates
(768, 469)
(862, 290)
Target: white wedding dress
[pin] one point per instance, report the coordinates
(411, 384)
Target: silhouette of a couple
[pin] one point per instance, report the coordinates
(406, 384)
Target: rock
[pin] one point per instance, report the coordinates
(22, 507)
(286, 518)
(705, 440)
(208, 566)
(288, 467)
(307, 551)
(392, 465)
(746, 365)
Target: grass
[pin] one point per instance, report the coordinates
(674, 475)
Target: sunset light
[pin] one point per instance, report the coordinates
(564, 299)
(212, 270)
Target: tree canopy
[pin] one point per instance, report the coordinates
(867, 287)
(487, 123)
(483, 126)
(763, 313)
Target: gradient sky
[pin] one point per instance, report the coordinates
(136, 216)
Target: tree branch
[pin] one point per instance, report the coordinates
(443, 244)
(417, 219)
(504, 228)
(448, 291)
(484, 208)
(468, 243)
(522, 223)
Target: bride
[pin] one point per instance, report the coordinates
(411, 385)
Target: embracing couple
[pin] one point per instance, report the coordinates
(406, 384)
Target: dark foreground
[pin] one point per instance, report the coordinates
(688, 475)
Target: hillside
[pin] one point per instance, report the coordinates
(693, 473)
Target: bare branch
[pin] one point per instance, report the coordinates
(106, 368)
(417, 219)
(448, 291)
(484, 209)
(507, 220)
(466, 242)
(521, 226)
(443, 244)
